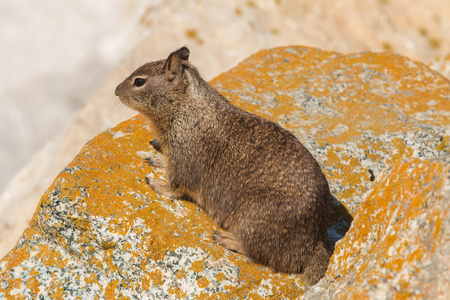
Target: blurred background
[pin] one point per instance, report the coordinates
(61, 60)
(53, 55)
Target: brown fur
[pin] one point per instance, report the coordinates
(254, 178)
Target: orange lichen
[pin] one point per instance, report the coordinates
(390, 86)
(120, 225)
(401, 150)
(110, 289)
(374, 93)
(197, 266)
(33, 284)
(206, 296)
(180, 274)
(255, 296)
(157, 277)
(50, 257)
(91, 279)
(16, 283)
(177, 292)
(220, 277)
(16, 257)
(444, 143)
(146, 281)
(390, 208)
(203, 282)
(55, 289)
(33, 272)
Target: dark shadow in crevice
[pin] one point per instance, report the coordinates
(338, 224)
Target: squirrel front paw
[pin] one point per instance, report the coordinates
(155, 161)
(162, 188)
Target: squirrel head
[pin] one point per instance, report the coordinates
(157, 87)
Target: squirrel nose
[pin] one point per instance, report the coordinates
(117, 90)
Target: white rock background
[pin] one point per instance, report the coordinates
(57, 60)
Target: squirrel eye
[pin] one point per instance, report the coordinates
(139, 82)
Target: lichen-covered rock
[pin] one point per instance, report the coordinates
(399, 244)
(101, 232)
(355, 112)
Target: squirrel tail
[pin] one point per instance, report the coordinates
(317, 264)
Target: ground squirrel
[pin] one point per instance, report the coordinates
(253, 177)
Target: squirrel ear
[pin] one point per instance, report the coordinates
(174, 62)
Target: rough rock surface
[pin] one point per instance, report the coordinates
(398, 246)
(357, 113)
(99, 230)
(418, 31)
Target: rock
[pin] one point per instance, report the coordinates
(398, 246)
(419, 31)
(357, 113)
(99, 230)
(100, 225)
(441, 64)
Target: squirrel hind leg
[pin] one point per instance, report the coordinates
(317, 265)
(228, 241)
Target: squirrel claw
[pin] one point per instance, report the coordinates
(156, 145)
(149, 161)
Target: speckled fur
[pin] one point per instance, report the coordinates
(254, 178)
